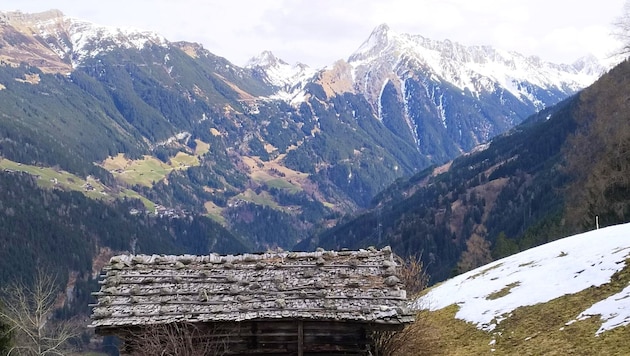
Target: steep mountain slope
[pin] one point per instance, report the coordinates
(524, 188)
(508, 186)
(68, 233)
(581, 284)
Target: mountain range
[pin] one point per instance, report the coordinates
(263, 146)
(560, 172)
(271, 151)
(439, 93)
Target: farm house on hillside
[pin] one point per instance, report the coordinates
(279, 303)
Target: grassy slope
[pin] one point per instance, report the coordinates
(48, 177)
(532, 330)
(148, 170)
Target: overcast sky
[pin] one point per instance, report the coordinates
(319, 32)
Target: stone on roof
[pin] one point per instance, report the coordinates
(359, 286)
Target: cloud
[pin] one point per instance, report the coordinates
(573, 41)
(320, 32)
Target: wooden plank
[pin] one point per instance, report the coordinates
(300, 338)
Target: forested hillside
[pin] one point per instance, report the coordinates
(598, 155)
(59, 230)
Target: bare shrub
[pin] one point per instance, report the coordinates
(417, 337)
(413, 274)
(177, 339)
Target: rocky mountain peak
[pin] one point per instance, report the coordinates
(288, 78)
(380, 33)
(20, 18)
(589, 65)
(376, 43)
(387, 55)
(265, 59)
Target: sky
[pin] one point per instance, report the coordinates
(320, 32)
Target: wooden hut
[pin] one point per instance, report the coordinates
(278, 303)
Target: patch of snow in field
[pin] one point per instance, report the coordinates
(614, 311)
(538, 275)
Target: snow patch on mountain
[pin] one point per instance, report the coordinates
(88, 40)
(289, 78)
(538, 275)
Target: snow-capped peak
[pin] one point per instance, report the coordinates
(76, 39)
(265, 59)
(88, 40)
(375, 44)
(476, 69)
(589, 65)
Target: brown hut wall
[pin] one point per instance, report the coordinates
(278, 337)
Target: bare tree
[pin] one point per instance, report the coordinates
(28, 313)
(476, 255)
(622, 29)
(5, 335)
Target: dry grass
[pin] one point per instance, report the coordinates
(262, 172)
(440, 333)
(503, 292)
(413, 275)
(485, 270)
(202, 148)
(214, 212)
(337, 80)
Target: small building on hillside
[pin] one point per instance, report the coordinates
(279, 303)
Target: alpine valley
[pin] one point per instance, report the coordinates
(120, 140)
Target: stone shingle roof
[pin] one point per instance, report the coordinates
(324, 285)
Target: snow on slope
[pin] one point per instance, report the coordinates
(539, 275)
(77, 39)
(289, 78)
(88, 39)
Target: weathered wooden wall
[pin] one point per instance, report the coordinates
(290, 337)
